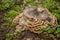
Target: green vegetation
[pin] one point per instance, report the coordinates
(4, 4)
(57, 31)
(11, 14)
(17, 8)
(9, 17)
(9, 24)
(31, 3)
(54, 31)
(8, 37)
(14, 34)
(50, 30)
(43, 27)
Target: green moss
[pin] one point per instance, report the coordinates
(31, 3)
(57, 30)
(56, 13)
(6, 4)
(8, 37)
(18, 8)
(9, 24)
(50, 30)
(10, 15)
(43, 27)
(14, 34)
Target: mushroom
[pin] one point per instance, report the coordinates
(33, 17)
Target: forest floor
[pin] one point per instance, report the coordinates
(26, 35)
(7, 27)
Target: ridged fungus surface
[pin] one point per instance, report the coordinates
(35, 18)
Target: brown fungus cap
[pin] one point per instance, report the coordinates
(34, 18)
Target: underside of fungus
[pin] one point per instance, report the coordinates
(34, 18)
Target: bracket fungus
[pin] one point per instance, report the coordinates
(34, 18)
